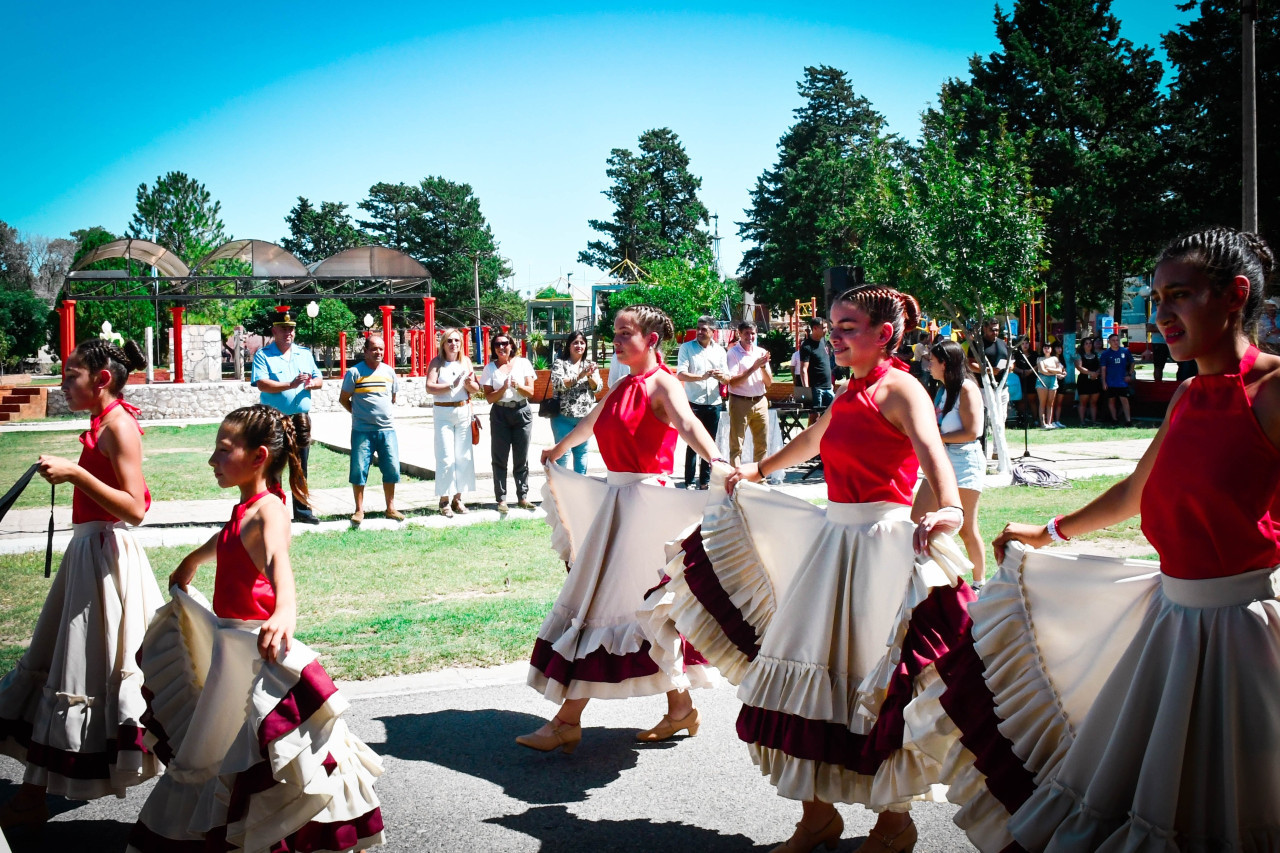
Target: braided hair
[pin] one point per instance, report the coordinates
(1222, 254)
(98, 354)
(885, 305)
(283, 435)
(650, 320)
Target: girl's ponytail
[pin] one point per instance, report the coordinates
(297, 435)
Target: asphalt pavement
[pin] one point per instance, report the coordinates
(456, 781)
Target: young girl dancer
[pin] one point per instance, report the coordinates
(71, 709)
(1142, 712)
(958, 408)
(830, 625)
(268, 763)
(612, 533)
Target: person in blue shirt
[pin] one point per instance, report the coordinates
(1117, 373)
(285, 375)
(369, 390)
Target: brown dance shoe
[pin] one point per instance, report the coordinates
(878, 842)
(804, 840)
(563, 736)
(668, 728)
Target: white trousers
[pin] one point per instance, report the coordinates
(455, 455)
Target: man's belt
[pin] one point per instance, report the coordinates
(450, 405)
(757, 398)
(512, 404)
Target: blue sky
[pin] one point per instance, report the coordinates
(265, 102)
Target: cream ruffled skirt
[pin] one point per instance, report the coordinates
(257, 753)
(611, 532)
(71, 710)
(1128, 711)
(831, 627)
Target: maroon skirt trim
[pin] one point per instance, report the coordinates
(598, 666)
(688, 654)
(700, 576)
(146, 840)
(163, 747)
(68, 763)
(937, 625)
(972, 707)
(313, 689)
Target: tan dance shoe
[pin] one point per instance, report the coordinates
(878, 842)
(668, 727)
(806, 841)
(563, 736)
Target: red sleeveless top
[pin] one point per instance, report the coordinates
(1211, 506)
(630, 436)
(866, 458)
(240, 589)
(93, 460)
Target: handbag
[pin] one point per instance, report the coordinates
(549, 407)
(475, 425)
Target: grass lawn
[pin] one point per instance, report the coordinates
(376, 602)
(415, 599)
(175, 463)
(1074, 434)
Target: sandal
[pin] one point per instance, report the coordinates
(459, 507)
(445, 511)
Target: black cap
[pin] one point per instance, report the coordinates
(279, 318)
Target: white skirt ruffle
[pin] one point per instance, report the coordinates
(810, 611)
(258, 753)
(71, 710)
(1142, 709)
(611, 533)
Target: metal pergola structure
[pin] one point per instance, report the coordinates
(364, 272)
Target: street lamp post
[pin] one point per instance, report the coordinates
(1249, 127)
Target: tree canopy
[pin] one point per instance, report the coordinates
(181, 215)
(656, 205)
(319, 233)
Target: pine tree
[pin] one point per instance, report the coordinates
(319, 233)
(656, 206)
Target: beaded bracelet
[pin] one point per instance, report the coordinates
(1055, 534)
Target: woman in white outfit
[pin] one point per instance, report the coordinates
(451, 381)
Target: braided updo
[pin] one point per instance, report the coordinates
(650, 320)
(96, 354)
(885, 305)
(283, 435)
(1222, 254)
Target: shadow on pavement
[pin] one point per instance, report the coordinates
(558, 829)
(482, 744)
(70, 835)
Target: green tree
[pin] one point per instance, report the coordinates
(15, 269)
(686, 288)
(128, 317)
(1203, 116)
(656, 206)
(23, 319)
(319, 233)
(972, 219)
(1088, 100)
(181, 215)
(440, 223)
(824, 202)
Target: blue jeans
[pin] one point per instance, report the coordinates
(823, 397)
(364, 445)
(561, 426)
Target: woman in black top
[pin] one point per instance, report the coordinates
(1088, 382)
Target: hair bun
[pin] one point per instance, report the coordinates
(910, 311)
(134, 359)
(1260, 249)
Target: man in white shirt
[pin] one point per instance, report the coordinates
(702, 365)
(749, 378)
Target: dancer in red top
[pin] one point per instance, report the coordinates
(272, 764)
(611, 533)
(831, 641)
(1159, 727)
(71, 708)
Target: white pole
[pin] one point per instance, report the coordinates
(149, 338)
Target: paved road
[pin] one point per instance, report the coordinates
(455, 781)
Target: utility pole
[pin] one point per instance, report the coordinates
(476, 279)
(1249, 127)
(715, 239)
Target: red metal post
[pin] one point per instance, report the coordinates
(62, 335)
(524, 348)
(429, 327)
(413, 351)
(466, 344)
(342, 352)
(388, 346)
(484, 332)
(69, 306)
(177, 342)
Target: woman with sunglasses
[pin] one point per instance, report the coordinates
(508, 386)
(451, 380)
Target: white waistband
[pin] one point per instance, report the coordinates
(88, 528)
(867, 513)
(1258, 585)
(626, 478)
